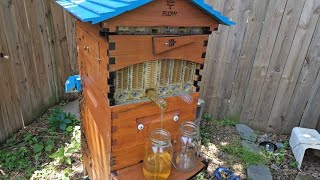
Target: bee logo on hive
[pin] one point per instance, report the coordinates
(170, 3)
(171, 42)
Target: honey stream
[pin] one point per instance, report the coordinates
(157, 165)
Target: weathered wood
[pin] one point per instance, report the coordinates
(307, 75)
(277, 64)
(262, 59)
(217, 56)
(245, 78)
(312, 114)
(296, 58)
(29, 79)
(248, 50)
(235, 47)
(318, 126)
(309, 118)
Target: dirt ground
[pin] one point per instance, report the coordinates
(43, 166)
(226, 134)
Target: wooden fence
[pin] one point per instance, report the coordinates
(37, 53)
(264, 71)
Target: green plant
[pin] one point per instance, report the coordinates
(61, 120)
(278, 157)
(293, 164)
(64, 154)
(226, 122)
(247, 157)
(15, 159)
(207, 116)
(200, 176)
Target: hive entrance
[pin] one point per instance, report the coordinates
(167, 77)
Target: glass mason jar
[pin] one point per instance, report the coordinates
(186, 147)
(158, 155)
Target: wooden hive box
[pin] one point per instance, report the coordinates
(125, 47)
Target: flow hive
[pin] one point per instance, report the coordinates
(124, 49)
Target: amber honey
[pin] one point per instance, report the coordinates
(157, 166)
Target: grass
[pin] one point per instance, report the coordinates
(227, 122)
(44, 150)
(244, 155)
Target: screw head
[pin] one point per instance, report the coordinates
(140, 127)
(176, 118)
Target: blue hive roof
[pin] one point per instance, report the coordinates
(96, 11)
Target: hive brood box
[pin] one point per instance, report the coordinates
(129, 47)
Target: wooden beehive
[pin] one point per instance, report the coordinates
(127, 48)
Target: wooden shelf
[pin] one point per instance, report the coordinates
(135, 172)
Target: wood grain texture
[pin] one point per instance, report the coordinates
(265, 71)
(312, 114)
(39, 61)
(318, 126)
(96, 124)
(218, 58)
(262, 59)
(248, 50)
(141, 50)
(187, 15)
(128, 142)
(296, 58)
(136, 172)
(307, 74)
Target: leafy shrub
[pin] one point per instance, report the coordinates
(62, 120)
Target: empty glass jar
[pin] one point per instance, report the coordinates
(158, 156)
(186, 147)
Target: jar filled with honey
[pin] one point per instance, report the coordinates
(158, 155)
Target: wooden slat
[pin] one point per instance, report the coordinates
(187, 15)
(307, 74)
(296, 59)
(318, 126)
(262, 59)
(311, 113)
(127, 54)
(31, 79)
(128, 142)
(248, 50)
(136, 172)
(240, 74)
(218, 56)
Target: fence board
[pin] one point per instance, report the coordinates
(262, 71)
(318, 126)
(271, 80)
(276, 67)
(248, 50)
(219, 55)
(297, 54)
(262, 59)
(312, 114)
(32, 79)
(306, 78)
